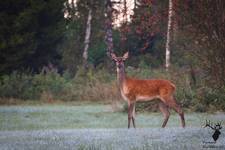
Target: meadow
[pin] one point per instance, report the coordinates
(98, 126)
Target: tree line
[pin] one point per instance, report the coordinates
(66, 34)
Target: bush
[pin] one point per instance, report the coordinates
(16, 85)
(100, 85)
(211, 99)
(28, 86)
(90, 85)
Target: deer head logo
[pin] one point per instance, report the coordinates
(217, 127)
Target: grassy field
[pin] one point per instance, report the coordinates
(99, 127)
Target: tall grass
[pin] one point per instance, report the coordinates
(88, 85)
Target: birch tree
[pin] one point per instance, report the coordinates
(125, 11)
(87, 39)
(135, 4)
(108, 27)
(169, 29)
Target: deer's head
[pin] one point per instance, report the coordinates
(119, 61)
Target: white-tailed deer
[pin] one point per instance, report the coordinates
(133, 90)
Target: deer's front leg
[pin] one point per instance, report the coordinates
(131, 112)
(133, 115)
(129, 115)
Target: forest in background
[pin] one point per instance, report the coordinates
(46, 53)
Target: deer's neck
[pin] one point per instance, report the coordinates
(121, 77)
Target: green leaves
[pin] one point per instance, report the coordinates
(29, 33)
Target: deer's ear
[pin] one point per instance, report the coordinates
(113, 56)
(126, 55)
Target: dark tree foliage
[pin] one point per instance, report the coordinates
(75, 33)
(29, 33)
(205, 21)
(146, 30)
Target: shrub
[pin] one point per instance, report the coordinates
(50, 82)
(211, 99)
(28, 86)
(16, 85)
(92, 85)
(100, 85)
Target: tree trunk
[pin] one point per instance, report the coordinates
(169, 29)
(108, 28)
(135, 4)
(87, 39)
(125, 11)
(108, 34)
(109, 31)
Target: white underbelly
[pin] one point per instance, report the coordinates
(146, 98)
(124, 96)
(140, 97)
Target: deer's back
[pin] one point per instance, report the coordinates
(135, 89)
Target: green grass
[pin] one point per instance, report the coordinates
(88, 116)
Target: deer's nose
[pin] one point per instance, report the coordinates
(120, 66)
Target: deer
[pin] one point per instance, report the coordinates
(133, 90)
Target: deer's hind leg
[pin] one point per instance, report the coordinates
(164, 109)
(178, 109)
(171, 102)
(133, 116)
